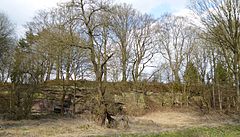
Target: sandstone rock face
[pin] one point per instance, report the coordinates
(133, 102)
(138, 103)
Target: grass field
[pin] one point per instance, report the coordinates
(222, 131)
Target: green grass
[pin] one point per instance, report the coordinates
(223, 131)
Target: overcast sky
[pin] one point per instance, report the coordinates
(22, 11)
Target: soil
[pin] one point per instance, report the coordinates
(154, 122)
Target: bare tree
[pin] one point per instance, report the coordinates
(123, 23)
(54, 32)
(88, 12)
(201, 57)
(221, 23)
(7, 44)
(143, 44)
(81, 65)
(175, 42)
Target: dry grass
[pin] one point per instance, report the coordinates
(51, 128)
(176, 119)
(150, 123)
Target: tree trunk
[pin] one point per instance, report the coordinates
(219, 97)
(124, 71)
(213, 97)
(58, 69)
(185, 95)
(124, 63)
(2, 75)
(105, 57)
(176, 76)
(68, 70)
(74, 98)
(213, 67)
(63, 97)
(236, 75)
(136, 73)
(98, 75)
(49, 70)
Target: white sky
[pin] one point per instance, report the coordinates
(22, 11)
